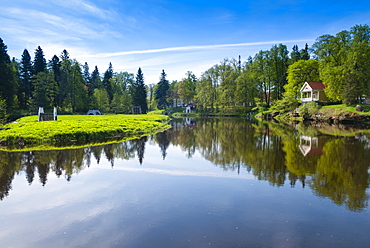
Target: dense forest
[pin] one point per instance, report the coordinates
(270, 78)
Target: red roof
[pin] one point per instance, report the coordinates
(316, 85)
(315, 152)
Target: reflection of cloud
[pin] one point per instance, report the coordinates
(192, 48)
(185, 173)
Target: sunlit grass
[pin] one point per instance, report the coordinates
(341, 108)
(81, 128)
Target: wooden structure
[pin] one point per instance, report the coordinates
(136, 110)
(313, 91)
(47, 116)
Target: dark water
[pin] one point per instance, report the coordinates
(210, 183)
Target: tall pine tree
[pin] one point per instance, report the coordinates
(106, 81)
(139, 93)
(26, 84)
(39, 64)
(305, 53)
(87, 76)
(295, 55)
(161, 91)
(65, 84)
(95, 80)
(8, 82)
(55, 67)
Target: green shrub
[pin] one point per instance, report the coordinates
(288, 102)
(308, 109)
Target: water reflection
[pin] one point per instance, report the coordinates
(333, 167)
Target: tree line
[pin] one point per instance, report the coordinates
(271, 78)
(62, 82)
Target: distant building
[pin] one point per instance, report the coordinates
(190, 108)
(313, 91)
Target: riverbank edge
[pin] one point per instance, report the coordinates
(336, 114)
(202, 115)
(47, 147)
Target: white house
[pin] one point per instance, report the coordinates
(190, 108)
(313, 91)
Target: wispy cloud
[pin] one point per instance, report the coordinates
(187, 173)
(193, 48)
(86, 7)
(37, 27)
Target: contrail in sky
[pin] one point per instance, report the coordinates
(191, 48)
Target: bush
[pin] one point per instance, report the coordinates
(260, 106)
(288, 102)
(308, 109)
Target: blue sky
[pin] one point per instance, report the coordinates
(177, 36)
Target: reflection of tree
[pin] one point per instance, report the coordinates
(140, 144)
(125, 150)
(270, 151)
(184, 136)
(5, 185)
(295, 162)
(109, 153)
(30, 173)
(273, 153)
(97, 151)
(43, 170)
(234, 142)
(341, 173)
(9, 165)
(60, 162)
(163, 142)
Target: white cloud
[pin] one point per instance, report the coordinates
(43, 26)
(192, 48)
(87, 7)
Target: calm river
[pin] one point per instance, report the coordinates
(204, 183)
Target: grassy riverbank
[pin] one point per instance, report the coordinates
(79, 128)
(329, 113)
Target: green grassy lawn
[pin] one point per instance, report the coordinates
(342, 108)
(79, 128)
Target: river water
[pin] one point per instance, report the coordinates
(204, 183)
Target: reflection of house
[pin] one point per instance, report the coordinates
(313, 91)
(190, 122)
(309, 146)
